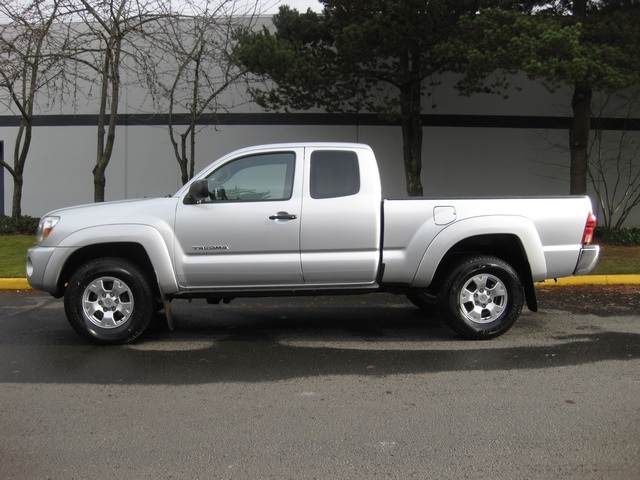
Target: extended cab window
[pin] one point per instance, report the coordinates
(254, 178)
(334, 174)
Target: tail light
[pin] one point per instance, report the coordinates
(589, 227)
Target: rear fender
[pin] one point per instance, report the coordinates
(521, 227)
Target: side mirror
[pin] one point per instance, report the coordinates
(197, 191)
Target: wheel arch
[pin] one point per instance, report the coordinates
(512, 239)
(143, 246)
(506, 247)
(131, 251)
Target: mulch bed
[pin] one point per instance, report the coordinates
(603, 300)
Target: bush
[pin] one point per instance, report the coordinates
(24, 225)
(627, 236)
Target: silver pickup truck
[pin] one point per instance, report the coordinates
(305, 219)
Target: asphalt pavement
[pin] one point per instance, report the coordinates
(327, 387)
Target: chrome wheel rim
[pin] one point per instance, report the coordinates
(107, 302)
(483, 298)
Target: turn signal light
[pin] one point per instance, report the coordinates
(45, 226)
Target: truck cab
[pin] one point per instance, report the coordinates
(281, 217)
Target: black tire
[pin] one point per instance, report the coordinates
(109, 301)
(481, 298)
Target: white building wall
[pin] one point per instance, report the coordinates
(457, 161)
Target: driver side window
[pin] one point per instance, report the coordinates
(255, 178)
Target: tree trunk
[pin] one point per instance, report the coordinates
(99, 183)
(16, 209)
(192, 151)
(580, 124)
(107, 122)
(410, 109)
(579, 139)
(183, 161)
(20, 153)
(412, 151)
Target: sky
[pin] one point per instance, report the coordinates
(267, 7)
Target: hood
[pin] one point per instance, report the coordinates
(156, 212)
(113, 206)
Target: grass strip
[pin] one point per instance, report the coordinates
(13, 254)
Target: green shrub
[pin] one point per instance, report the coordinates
(618, 236)
(24, 225)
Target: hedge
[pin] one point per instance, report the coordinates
(618, 236)
(24, 225)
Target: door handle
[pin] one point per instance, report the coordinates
(283, 216)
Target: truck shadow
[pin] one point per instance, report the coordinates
(255, 341)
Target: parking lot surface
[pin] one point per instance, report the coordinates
(326, 387)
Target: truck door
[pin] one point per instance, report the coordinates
(340, 229)
(247, 232)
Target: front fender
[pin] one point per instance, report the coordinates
(148, 237)
(521, 227)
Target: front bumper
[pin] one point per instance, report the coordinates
(40, 274)
(587, 260)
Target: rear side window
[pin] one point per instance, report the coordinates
(334, 174)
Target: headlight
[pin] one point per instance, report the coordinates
(45, 226)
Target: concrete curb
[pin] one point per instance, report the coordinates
(14, 284)
(633, 279)
(21, 283)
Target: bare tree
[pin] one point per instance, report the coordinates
(30, 63)
(197, 47)
(614, 160)
(110, 38)
(613, 168)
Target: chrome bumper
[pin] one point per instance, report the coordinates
(587, 260)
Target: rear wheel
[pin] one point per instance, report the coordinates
(482, 297)
(109, 301)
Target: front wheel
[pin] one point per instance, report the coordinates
(109, 301)
(481, 298)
